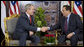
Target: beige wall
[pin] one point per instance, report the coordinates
(52, 7)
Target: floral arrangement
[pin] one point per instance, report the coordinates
(49, 38)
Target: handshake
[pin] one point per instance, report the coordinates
(44, 29)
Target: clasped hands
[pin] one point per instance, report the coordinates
(44, 29)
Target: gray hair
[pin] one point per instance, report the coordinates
(27, 6)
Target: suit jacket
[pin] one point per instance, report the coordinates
(74, 25)
(23, 24)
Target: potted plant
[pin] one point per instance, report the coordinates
(40, 20)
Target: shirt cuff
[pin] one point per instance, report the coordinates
(74, 33)
(48, 28)
(38, 29)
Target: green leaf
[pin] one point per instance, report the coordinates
(39, 23)
(40, 17)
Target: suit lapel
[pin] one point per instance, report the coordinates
(70, 20)
(27, 18)
(32, 20)
(63, 22)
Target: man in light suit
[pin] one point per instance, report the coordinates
(25, 27)
(71, 26)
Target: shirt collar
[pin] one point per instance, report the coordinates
(27, 14)
(68, 15)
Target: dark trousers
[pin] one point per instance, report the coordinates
(24, 36)
(73, 40)
(80, 36)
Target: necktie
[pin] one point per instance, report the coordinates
(30, 19)
(65, 25)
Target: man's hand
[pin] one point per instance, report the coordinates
(31, 33)
(44, 29)
(70, 35)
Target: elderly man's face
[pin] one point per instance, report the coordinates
(31, 10)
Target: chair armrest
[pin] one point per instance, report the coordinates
(7, 38)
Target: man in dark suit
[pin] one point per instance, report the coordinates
(71, 26)
(25, 27)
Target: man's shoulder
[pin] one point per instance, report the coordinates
(23, 14)
(74, 14)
